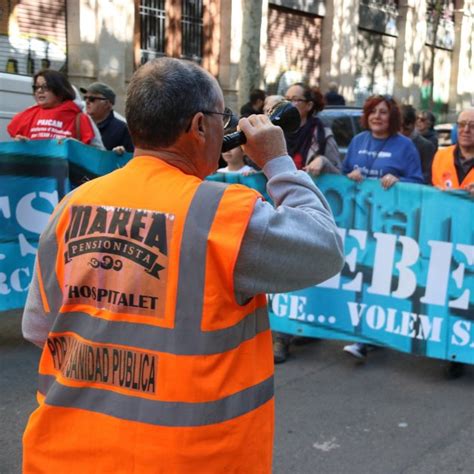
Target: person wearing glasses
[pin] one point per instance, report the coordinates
(148, 299)
(100, 101)
(425, 148)
(312, 147)
(453, 166)
(425, 122)
(381, 153)
(314, 150)
(55, 114)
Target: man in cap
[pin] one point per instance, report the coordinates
(100, 100)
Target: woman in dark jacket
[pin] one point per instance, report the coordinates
(312, 147)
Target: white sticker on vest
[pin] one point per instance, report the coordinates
(117, 259)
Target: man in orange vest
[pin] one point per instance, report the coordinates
(453, 167)
(148, 297)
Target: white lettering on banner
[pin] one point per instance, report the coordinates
(394, 321)
(376, 317)
(25, 247)
(32, 219)
(463, 334)
(5, 207)
(290, 306)
(438, 275)
(4, 289)
(14, 281)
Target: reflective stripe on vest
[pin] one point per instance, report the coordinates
(47, 253)
(185, 339)
(156, 412)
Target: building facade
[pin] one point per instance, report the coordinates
(419, 51)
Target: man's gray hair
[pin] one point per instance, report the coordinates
(163, 96)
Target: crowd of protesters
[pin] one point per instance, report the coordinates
(399, 143)
(59, 114)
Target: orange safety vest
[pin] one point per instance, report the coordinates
(151, 366)
(444, 173)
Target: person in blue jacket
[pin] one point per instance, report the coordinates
(382, 153)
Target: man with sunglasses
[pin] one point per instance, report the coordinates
(100, 101)
(148, 298)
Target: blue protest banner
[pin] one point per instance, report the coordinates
(409, 275)
(34, 176)
(408, 282)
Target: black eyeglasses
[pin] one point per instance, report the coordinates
(466, 123)
(92, 99)
(295, 100)
(226, 115)
(41, 88)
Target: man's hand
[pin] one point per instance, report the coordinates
(265, 141)
(119, 150)
(470, 189)
(355, 175)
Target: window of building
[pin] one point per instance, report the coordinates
(440, 23)
(32, 36)
(152, 29)
(171, 28)
(390, 6)
(192, 29)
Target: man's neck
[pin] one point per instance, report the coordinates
(467, 153)
(103, 118)
(176, 157)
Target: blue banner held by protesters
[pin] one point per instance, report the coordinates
(34, 176)
(408, 282)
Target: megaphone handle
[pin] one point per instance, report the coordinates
(233, 140)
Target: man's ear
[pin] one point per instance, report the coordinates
(198, 125)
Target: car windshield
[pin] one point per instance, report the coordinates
(344, 126)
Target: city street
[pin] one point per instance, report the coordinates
(395, 414)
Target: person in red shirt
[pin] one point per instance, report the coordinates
(55, 115)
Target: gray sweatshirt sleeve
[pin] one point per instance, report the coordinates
(35, 323)
(292, 245)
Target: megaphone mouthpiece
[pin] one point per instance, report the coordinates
(285, 115)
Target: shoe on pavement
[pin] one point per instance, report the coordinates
(302, 340)
(280, 351)
(357, 350)
(454, 370)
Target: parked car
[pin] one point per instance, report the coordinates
(444, 132)
(344, 122)
(15, 96)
